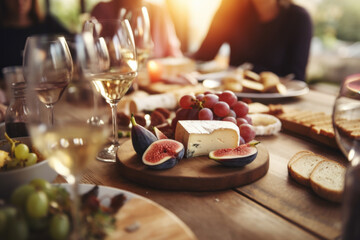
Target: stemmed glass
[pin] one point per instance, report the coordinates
(116, 70)
(70, 142)
(346, 122)
(48, 61)
(139, 20)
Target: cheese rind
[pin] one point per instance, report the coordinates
(201, 137)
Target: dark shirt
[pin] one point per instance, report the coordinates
(281, 45)
(12, 40)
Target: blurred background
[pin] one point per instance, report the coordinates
(335, 49)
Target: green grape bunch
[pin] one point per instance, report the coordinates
(37, 210)
(41, 210)
(20, 155)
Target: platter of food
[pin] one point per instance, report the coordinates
(198, 149)
(21, 164)
(294, 89)
(43, 211)
(139, 217)
(198, 173)
(247, 84)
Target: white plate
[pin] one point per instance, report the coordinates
(149, 219)
(294, 87)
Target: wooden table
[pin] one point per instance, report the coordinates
(274, 207)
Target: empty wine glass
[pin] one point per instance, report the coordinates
(115, 71)
(47, 60)
(70, 142)
(346, 122)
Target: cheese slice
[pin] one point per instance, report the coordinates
(201, 137)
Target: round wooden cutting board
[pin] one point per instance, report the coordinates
(193, 174)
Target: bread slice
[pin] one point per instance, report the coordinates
(256, 107)
(301, 168)
(252, 76)
(296, 156)
(278, 88)
(252, 86)
(327, 180)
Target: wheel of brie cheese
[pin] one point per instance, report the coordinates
(265, 124)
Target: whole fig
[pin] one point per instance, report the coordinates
(141, 137)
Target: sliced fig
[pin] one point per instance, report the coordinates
(163, 154)
(159, 134)
(141, 137)
(235, 157)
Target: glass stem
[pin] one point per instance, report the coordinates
(115, 128)
(76, 232)
(51, 115)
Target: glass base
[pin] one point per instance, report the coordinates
(108, 154)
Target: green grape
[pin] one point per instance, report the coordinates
(59, 226)
(17, 229)
(3, 221)
(15, 226)
(31, 159)
(21, 151)
(19, 196)
(61, 196)
(42, 184)
(37, 205)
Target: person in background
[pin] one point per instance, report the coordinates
(18, 20)
(272, 35)
(166, 43)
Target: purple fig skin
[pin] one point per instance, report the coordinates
(180, 155)
(165, 165)
(237, 162)
(141, 137)
(234, 157)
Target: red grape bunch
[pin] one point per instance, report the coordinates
(217, 106)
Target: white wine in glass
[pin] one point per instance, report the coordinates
(117, 69)
(346, 122)
(71, 141)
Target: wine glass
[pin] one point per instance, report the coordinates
(346, 122)
(139, 20)
(115, 72)
(47, 60)
(70, 142)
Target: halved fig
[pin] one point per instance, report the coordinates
(235, 157)
(163, 154)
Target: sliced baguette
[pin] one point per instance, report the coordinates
(302, 167)
(296, 156)
(327, 180)
(252, 86)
